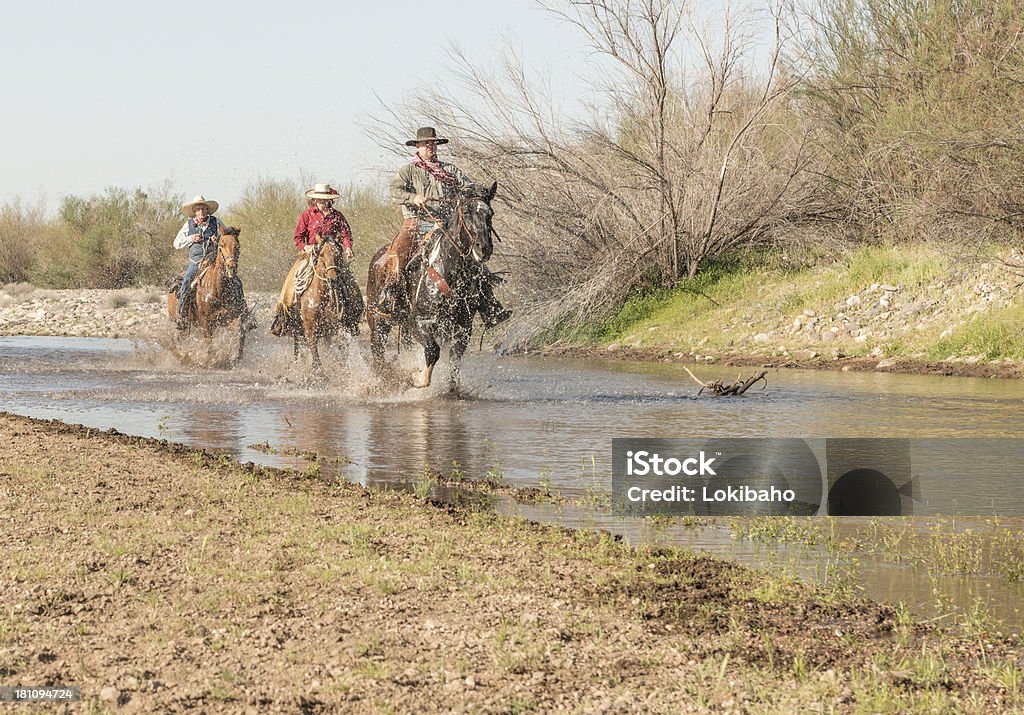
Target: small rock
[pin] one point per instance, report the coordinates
(887, 362)
(109, 694)
(889, 288)
(613, 347)
(761, 338)
(809, 313)
(828, 336)
(946, 333)
(853, 300)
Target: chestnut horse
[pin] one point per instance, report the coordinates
(219, 299)
(442, 292)
(331, 300)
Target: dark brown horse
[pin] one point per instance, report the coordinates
(331, 301)
(441, 292)
(219, 300)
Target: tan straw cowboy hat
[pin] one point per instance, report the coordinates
(190, 208)
(323, 191)
(426, 134)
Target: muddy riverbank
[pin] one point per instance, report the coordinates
(160, 578)
(809, 361)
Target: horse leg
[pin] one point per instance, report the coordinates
(309, 327)
(241, 339)
(431, 354)
(379, 329)
(458, 349)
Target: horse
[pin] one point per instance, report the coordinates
(219, 299)
(332, 300)
(442, 291)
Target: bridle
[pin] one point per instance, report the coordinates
(230, 259)
(462, 227)
(325, 275)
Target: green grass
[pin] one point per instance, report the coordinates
(729, 302)
(996, 334)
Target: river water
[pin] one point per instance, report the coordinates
(529, 420)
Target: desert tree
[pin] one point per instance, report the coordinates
(694, 147)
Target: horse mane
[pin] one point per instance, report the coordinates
(232, 231)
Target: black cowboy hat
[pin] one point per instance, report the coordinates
(426, 134)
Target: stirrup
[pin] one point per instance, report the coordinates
(495, 319)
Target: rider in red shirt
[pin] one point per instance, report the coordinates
(322, 219)
(320, 222)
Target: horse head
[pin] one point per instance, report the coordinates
(475, 215)
(328, 253)
(228, 250)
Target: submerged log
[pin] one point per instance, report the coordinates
(719, 389)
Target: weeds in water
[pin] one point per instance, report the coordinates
(424, 484)
(162, 427)
(781, 529)
(841, 578)
(495, 475)
(313, 469)
(545, 485)
(264, 447)
(457, 474)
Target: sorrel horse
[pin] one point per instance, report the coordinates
(332, 300)
(442, 291)
(219, 299)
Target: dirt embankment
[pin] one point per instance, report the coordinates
(161, 579)
(844, 363)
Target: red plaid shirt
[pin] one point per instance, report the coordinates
(312, 222)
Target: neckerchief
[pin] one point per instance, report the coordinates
(435, 169)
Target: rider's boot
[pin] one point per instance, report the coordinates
(391, 291)
(280, 318)
(492, 312)
(182, 321)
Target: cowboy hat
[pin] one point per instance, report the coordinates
(190, 208)
(426, 134)
(323, 191)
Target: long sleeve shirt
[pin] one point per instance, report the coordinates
(331, 225)
(190, 230)
(412, 180)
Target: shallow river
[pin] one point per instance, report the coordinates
(530, 420)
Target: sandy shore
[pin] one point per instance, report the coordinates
(161, 579)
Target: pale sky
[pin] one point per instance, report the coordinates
(210, 95)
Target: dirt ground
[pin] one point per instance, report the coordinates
(162, 579)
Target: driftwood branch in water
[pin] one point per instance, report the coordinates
(718, 388)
